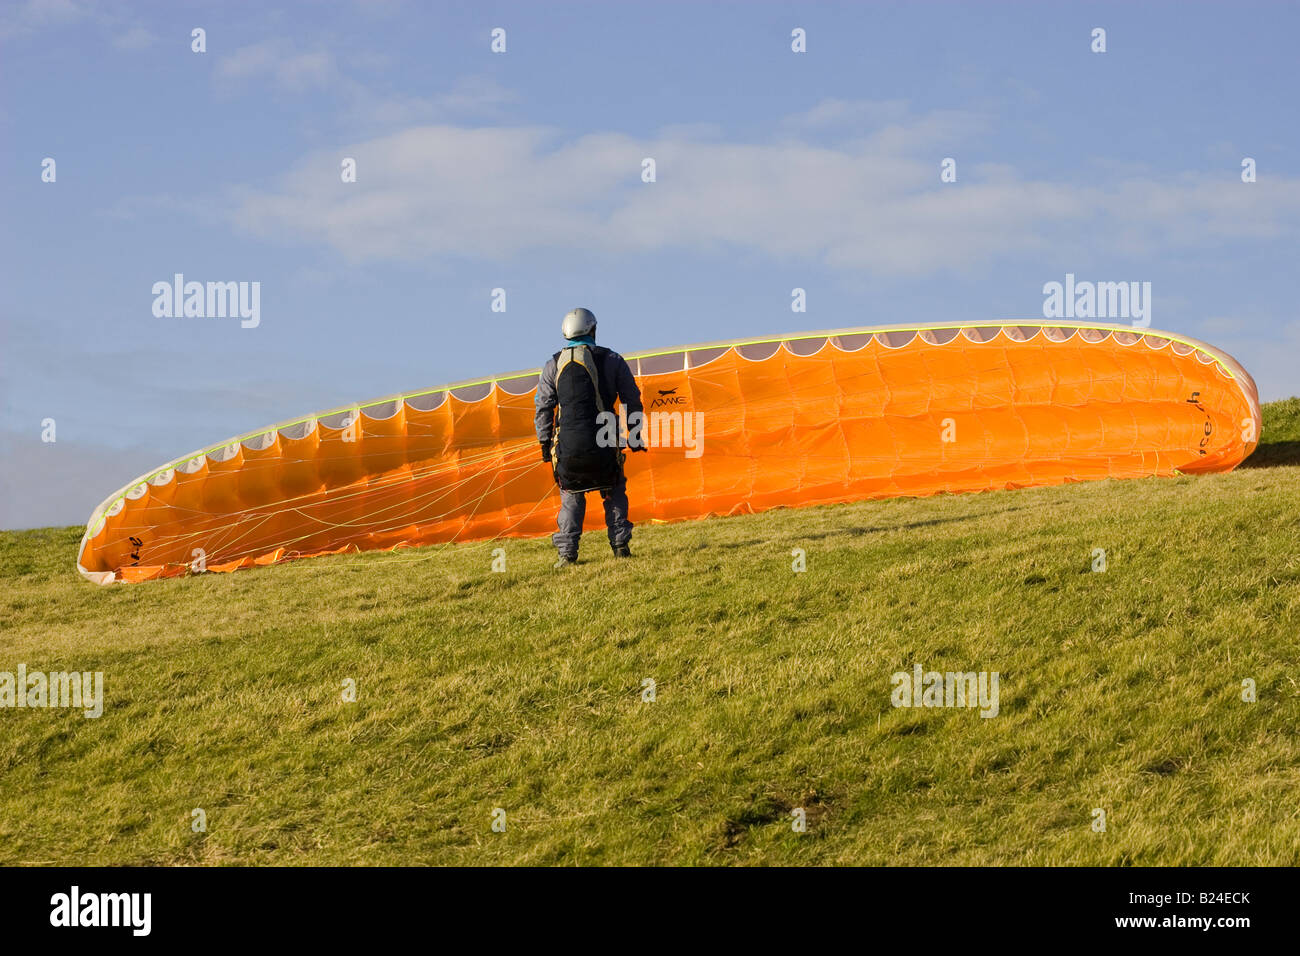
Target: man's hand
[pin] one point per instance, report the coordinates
(546, 451)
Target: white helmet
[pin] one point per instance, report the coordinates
(578, 322)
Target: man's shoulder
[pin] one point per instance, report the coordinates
(598, 352)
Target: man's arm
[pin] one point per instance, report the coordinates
(544, 418)
(629, 396)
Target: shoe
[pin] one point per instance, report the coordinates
(565, 560)
(622, 551)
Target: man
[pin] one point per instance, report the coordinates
(583, 381)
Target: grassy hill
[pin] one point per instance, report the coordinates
(523, 690)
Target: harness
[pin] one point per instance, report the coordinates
(580, 355)
(579, 464)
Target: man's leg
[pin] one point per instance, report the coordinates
(616, 521)
(573, 509)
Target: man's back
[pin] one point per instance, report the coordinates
(579, 394)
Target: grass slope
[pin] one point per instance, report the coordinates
(522, 690)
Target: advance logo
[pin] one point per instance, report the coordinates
(103, 909)
(667, 396)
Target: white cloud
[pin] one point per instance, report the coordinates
(289, 70)
(874, 205)
(33, 15)
(277, 66)
(136, 38)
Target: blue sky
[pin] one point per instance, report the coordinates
(522, 171)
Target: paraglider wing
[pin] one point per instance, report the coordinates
(739, 426)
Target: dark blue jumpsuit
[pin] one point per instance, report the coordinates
(616, 380)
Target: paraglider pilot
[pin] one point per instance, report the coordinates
(581, 383)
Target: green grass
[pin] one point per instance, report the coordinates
(1280, 441)
(522, 690)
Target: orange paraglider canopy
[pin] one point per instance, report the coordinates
(737, 426)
